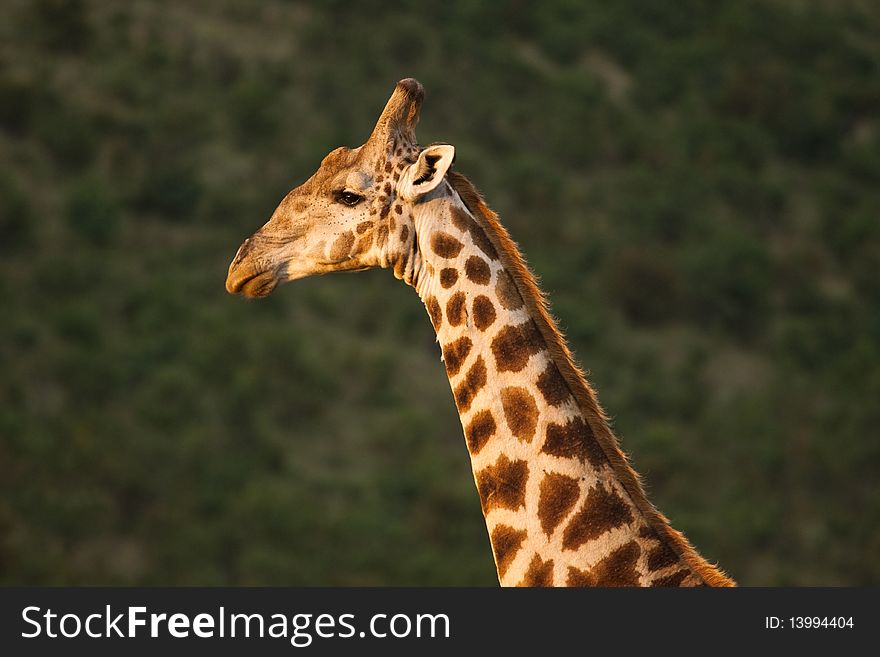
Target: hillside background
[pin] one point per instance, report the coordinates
(697, 184)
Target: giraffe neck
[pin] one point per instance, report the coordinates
(562, 507)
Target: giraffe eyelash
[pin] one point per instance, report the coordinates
(348, 198)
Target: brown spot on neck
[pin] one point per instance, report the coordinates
(456, 309)
(473, 382)
(617, 569)
(661, 556)
(400, 265)
(675, 579)
(477, 270)
(540, 573)
(455, 353)
(503, 484)
(552, 385)
(574, 439)
(484, 312)
(513, 345)
(578, 578)
(435, 312)
(479, 430)
(520, 412)
(506, 542)
(448, 277)
(466, 223)
(558, 494)
(445, 245)
(505, 289)
(602, 511)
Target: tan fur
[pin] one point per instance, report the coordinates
(318, 228)
(584, 394)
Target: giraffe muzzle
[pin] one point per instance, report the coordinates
(253, 285)
(247, 277)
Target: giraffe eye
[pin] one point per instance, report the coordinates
(349, 198)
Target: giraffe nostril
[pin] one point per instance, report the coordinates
(242, 252)
(239, 272)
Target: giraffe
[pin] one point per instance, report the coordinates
(561, 503)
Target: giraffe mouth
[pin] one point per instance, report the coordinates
(253, 285)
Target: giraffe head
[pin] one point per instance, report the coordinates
(355, 212)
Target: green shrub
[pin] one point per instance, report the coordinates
(728, 284)
(254, 109)
(645, 285)
(16, 221)
(62, 25)
(170, 189)
(65, 133)
(17, 100)
(92, 211)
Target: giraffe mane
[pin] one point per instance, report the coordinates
(585, 396)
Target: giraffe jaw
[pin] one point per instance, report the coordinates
(258, 284)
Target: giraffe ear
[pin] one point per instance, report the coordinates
(427, 172)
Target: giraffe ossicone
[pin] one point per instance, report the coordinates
(561, 503)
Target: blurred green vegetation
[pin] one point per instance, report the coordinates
(696, 183)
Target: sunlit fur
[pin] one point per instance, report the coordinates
(412, 196)
(584, 394)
